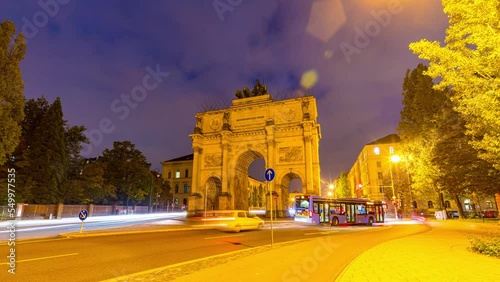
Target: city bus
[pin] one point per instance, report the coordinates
(344, 211)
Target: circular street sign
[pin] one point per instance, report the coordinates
(83, 215)
(269, 174)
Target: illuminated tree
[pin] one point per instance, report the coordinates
(342, 190)
(418, 129)
(12, 51)
(469, 64)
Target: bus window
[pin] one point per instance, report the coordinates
(337, 208)
(360, 209)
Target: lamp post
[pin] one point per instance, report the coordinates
(394, 159)
(409, 183)
(151, 190)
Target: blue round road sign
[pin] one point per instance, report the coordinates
(83, 215)
(269, 174)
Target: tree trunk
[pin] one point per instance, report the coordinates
(459, 206)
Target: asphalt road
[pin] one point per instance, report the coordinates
(105, 257)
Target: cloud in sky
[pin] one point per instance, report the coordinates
(91, 52)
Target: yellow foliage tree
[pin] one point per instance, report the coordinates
(469, 63)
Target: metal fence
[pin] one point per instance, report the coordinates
(34, 211)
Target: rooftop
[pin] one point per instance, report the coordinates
(392, 138)
(183, 158)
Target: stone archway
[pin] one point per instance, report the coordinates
(284, 133)
(213, 188)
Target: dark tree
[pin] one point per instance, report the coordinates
(12, 51)
(127, 170)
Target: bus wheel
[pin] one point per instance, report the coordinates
(370, 221)
(335, 221)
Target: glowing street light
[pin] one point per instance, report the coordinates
(394, 159)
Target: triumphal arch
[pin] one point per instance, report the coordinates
(285, 133)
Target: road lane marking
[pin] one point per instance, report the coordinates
(321, 233)
(28, 241)
(40, 228)
(50, 257)
(225, 236)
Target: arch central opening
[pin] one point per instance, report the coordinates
(248, 186)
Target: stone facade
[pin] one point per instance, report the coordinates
(284, 133)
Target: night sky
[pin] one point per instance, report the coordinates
(90, 53)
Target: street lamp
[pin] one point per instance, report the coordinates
(151, 189)
(394, 159)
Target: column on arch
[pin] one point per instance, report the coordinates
(196, 170)
(225, 168)
(308, 164)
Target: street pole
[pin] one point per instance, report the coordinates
(271, 196)
(393, 193)
(150, 191)
(409, 183)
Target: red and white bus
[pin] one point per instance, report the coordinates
(345, 211)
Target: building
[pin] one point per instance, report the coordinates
(178, 173)
(370, 176)
(380, 172)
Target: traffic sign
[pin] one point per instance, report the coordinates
(83, 215)
(269, 174)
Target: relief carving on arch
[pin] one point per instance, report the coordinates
(290, 154)
(213, 160)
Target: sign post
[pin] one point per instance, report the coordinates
(82, 216)
(269, 176)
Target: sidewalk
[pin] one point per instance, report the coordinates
(437, 255)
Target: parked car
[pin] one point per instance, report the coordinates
(490, 214)
(452, 214)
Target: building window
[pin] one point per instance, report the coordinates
(376, 151)
(186, 173)
(186, 187)
(381, 188)
(380, 175)
(391, 150)
(177, 174)
(379, 164)
(176, 188)
(447, 204)
(489, 205)
(430, 205)
(414, 204)
(169, 174)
